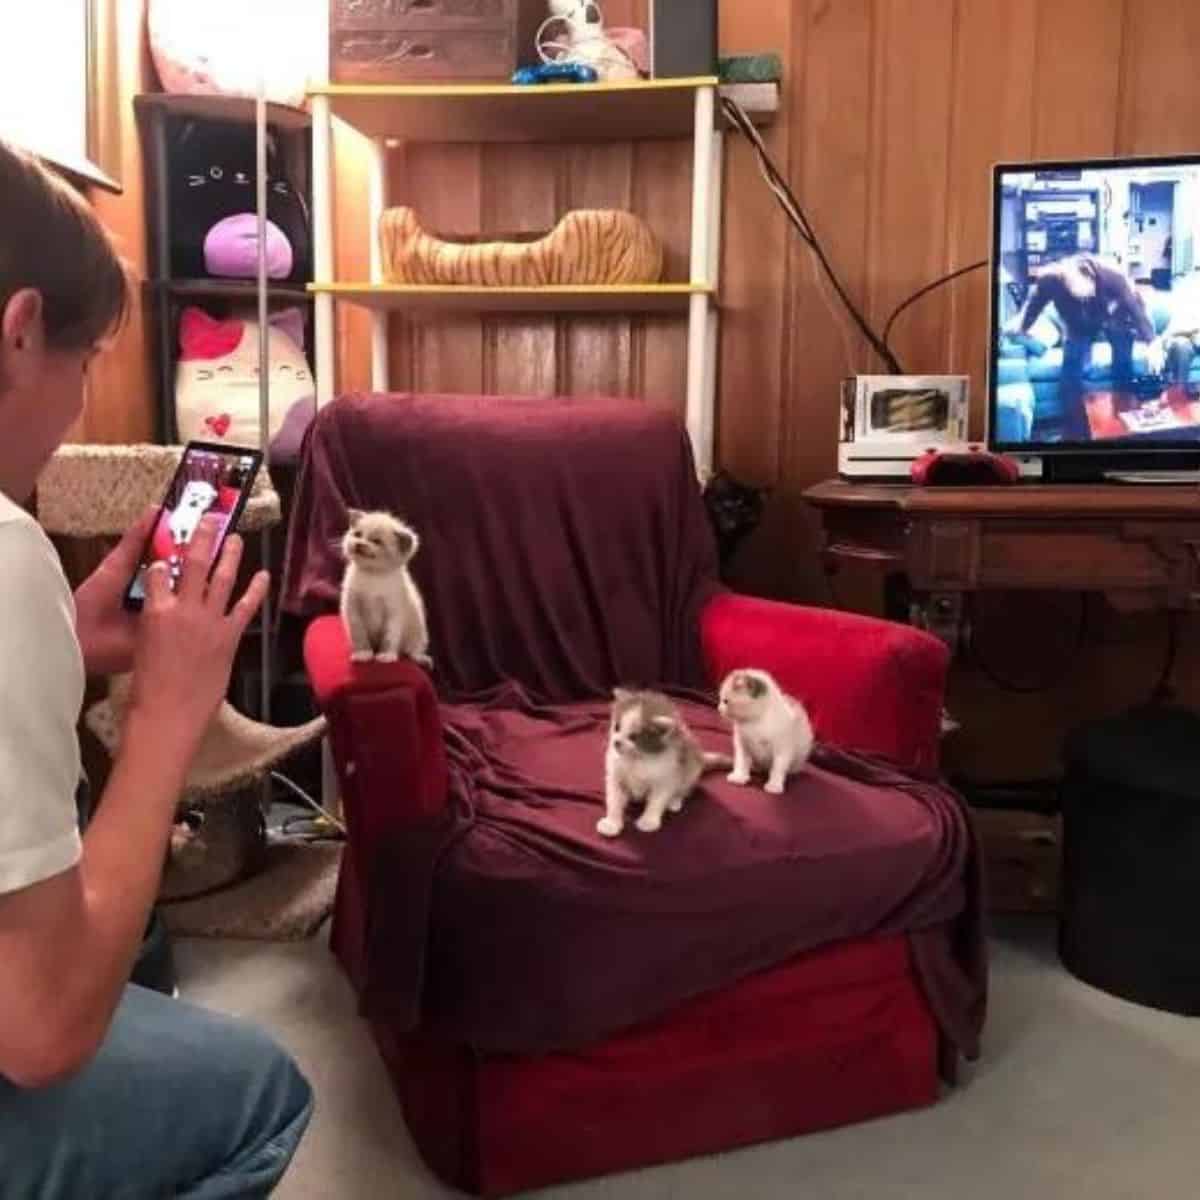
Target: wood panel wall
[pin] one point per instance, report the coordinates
(121, 397)
(894, 111)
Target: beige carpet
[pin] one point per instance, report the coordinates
(1078, 1097)
(286, 901)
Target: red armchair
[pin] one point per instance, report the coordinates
(838, 1034)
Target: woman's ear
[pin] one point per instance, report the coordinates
(22, 341)
(21, 321)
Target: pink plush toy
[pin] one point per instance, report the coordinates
(216, 382)
(218, 47)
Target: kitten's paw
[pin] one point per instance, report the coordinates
(675, 805)
(741, 778)
(607, 827)
(649, 823)
(774, 786)
(362, 656)
(388, 656)
(423, 660)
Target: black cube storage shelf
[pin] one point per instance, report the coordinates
(166, 293)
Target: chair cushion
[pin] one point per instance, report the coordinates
(545, 936)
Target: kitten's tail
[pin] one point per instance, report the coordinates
(717, 762)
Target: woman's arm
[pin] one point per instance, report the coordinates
(67, 943)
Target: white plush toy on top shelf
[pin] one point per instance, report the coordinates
(574, 33)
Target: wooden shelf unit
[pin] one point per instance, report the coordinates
(593, 112)
(385, 297)
(474, 113)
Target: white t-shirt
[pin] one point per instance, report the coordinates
(41, 692)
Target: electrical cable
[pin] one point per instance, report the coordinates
(308, 800)
(791, 207)
(1025, 689)
(929, 287)
(799, 219)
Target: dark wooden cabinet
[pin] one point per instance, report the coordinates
(936, 547)
(1140, 546)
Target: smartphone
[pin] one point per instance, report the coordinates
(211, 479)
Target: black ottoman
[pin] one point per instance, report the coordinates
(1130, 914)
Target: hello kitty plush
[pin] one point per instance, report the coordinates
(216, 382)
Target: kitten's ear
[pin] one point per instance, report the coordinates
(755, 686)
(406, 542)
(620, 695)
(353, 516)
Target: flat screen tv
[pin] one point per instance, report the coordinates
(1095, 326)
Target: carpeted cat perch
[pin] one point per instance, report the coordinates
(98, 492)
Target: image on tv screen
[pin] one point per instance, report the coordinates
(1097, 308)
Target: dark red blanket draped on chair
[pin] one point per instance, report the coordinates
(565, 549)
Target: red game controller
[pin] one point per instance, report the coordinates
(963, 466)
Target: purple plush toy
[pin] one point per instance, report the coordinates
(231, 248)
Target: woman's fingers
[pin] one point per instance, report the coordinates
(197, 559)
(250, 602)
(220, 587)
(157, 582)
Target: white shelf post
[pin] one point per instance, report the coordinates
(701, 383)
(322, 193)
(323, 311)
(376, 203)
(712, 341)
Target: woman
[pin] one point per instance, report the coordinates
(105, 1089)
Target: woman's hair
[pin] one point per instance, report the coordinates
(51, 241)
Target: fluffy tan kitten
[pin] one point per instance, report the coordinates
(653, 757)
(381, 606)
(771, 730)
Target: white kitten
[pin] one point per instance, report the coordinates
(198, 497)
(381, 606)
(652, 756)
(771, 730)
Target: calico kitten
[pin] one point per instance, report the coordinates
(381, 606)
(771, 730)
(653, 757)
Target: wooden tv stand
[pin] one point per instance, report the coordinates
(1139, 545)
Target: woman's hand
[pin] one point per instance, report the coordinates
(187, 641)
(107, 631)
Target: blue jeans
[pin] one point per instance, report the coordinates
(177, 1102)
(1076, 353)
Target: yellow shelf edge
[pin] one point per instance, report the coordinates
(416, 91)
(557, 289)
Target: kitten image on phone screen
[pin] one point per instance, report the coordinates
(198, 497)
(211, 481)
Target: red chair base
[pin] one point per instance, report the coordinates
(833, 1037)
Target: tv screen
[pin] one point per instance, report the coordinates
(1095, 338)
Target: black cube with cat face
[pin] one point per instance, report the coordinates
(213, 195)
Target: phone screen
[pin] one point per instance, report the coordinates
(211, 481)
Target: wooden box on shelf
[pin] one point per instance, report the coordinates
(424, 41)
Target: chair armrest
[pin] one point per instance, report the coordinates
(386, 735)
(385, 732)
(869, 685)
